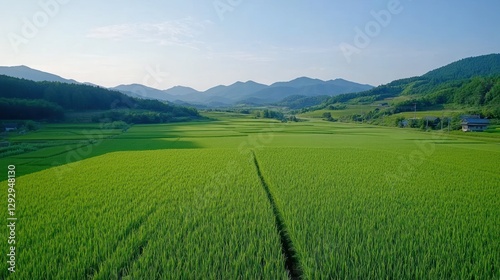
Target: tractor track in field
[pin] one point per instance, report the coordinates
(292, 262)
(124, 268)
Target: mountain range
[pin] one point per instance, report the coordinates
(472, 83)
(249, 92)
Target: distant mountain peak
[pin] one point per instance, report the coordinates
(24, 67)
(25, 72)
(304, 78)
(181, 91)
(249, 82)
(142, 91)
(134, 85)
(180, 87)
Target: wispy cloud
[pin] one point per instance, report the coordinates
(270, 53)
(243, 56)
(181, 32)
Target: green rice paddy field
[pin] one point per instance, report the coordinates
(244, 198)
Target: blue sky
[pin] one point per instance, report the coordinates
(163, 43)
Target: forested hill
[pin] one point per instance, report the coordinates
(471, 82)
(466, 68)
(25, 99)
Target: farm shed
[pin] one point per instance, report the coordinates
(474, 124)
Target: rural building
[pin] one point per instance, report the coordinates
(404, 123)
(474, 123)
(10, 127)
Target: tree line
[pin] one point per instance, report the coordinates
(25, 99)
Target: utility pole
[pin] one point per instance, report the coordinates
(414, 111)
(442, 120)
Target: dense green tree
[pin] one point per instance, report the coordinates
(24, 109)
(24, 99)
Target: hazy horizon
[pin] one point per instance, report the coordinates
(208, 43)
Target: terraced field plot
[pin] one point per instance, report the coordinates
(245, 198)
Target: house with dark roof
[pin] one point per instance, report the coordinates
(474, 123)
